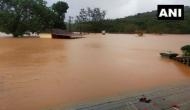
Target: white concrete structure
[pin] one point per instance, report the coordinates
(5, 35)
(45, 35)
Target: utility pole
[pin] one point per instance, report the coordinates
(70, 23)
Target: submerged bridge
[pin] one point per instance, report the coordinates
(174, 98)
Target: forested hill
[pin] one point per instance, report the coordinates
(143, 22)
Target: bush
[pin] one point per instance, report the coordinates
(186, 50)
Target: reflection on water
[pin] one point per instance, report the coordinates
(38, 74)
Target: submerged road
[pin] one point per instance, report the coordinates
(173, 98)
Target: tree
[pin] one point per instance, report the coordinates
(20, 16)
(90, 20)
(91, 15)
(60, 8)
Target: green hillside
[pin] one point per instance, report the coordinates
(143, 22)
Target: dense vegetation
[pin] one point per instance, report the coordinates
(186, 50)
(142, 22)
(90, 20)
(21, 16)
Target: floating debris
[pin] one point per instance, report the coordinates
(145, 100)
(176, 107)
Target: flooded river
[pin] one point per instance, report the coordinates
(40, 74)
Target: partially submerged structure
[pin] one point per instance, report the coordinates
(174, 56)
(169, 54)
(62, 34)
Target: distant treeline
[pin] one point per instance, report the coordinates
(142, 22)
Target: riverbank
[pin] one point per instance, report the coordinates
(167, 98)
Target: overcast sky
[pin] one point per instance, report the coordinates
(118, 8)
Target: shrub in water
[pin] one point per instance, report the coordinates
(186, 50)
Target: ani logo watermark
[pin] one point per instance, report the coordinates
(170, 12)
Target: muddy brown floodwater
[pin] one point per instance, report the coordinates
(40, 74)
